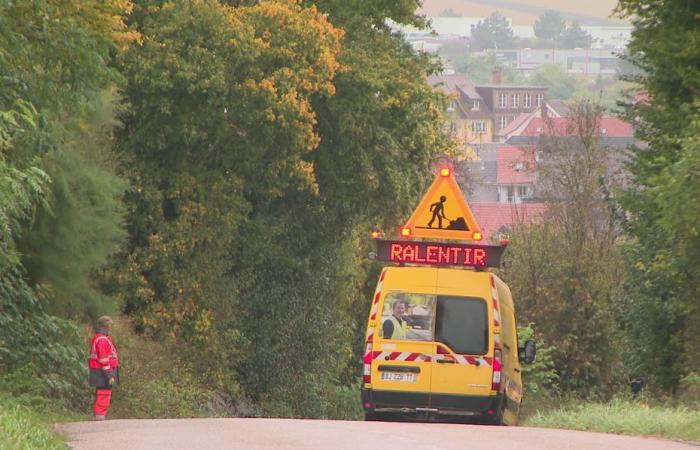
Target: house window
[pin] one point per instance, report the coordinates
(502, 122)
(523, 191)
(478, 127)
(453, 129)
(475, 105)
(452, 105)
(527, 100)
(540, 99)
(515, 100)
(510, 198)
(502, 100)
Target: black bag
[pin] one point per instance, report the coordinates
(99, 379)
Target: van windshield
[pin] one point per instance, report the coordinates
(459, 322)
(462, 324)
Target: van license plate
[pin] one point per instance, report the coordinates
(398, 376)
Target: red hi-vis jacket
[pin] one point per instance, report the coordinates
(103, 353)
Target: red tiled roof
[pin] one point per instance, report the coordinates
(566, 126)
(515, 165)
(492, 216)
(514, 124)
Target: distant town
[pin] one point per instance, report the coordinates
(509, 84)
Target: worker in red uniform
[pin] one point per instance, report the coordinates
(104, 366)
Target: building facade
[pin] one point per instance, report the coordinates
(509, 101)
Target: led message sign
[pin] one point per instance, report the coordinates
(439, 253)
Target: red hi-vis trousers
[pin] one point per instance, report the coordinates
(102, 400)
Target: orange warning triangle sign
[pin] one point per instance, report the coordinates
(443, 213)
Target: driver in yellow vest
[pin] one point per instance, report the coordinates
(394, 327)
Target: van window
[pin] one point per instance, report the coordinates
(462, 324)
(408, 316)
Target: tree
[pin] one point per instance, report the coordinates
(549, 26)
(54, 57)
(561, 85)
(662, 200)
(449, 12)
(221, 118)
(575, 37)
(493, 32)
(260, 146)
(566, 270)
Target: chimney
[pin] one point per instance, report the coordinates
(496, 75)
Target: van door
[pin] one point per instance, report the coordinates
(401, 369)
(512, 378)
(462, 367)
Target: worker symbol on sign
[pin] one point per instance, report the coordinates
(438, 210)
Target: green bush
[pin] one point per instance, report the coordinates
(41, 356)
(623, 416)
(540, 376)
(309, 397)
(22, 429)
(155, 382)
(689, 392)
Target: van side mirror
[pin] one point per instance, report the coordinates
(528, 353)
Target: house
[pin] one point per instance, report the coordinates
(553, 108)
(515, 174)
(470, 119)
(497, 220)
(586, 61)
(613, 131)
(483, 173)
(509, 101)
(478, 113)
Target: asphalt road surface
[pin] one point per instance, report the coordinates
(274, 434)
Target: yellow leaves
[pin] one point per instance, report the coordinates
(301, 42)
(145, 294)
(204, 321)
(104, 17)
(308, 172)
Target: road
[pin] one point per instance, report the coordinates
(274, 434)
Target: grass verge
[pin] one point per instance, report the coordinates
(21, 429)
(623, 417)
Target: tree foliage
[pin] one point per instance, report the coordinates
(549, 26)
(566, 270)
(662, 202)
(263, 140)
(493, 32)
(551, 31)
(561, 85)
(575, 37)
(54, 57)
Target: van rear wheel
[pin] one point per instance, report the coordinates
(496, 419)
(372, 417)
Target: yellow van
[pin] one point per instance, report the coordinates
(441, 343)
